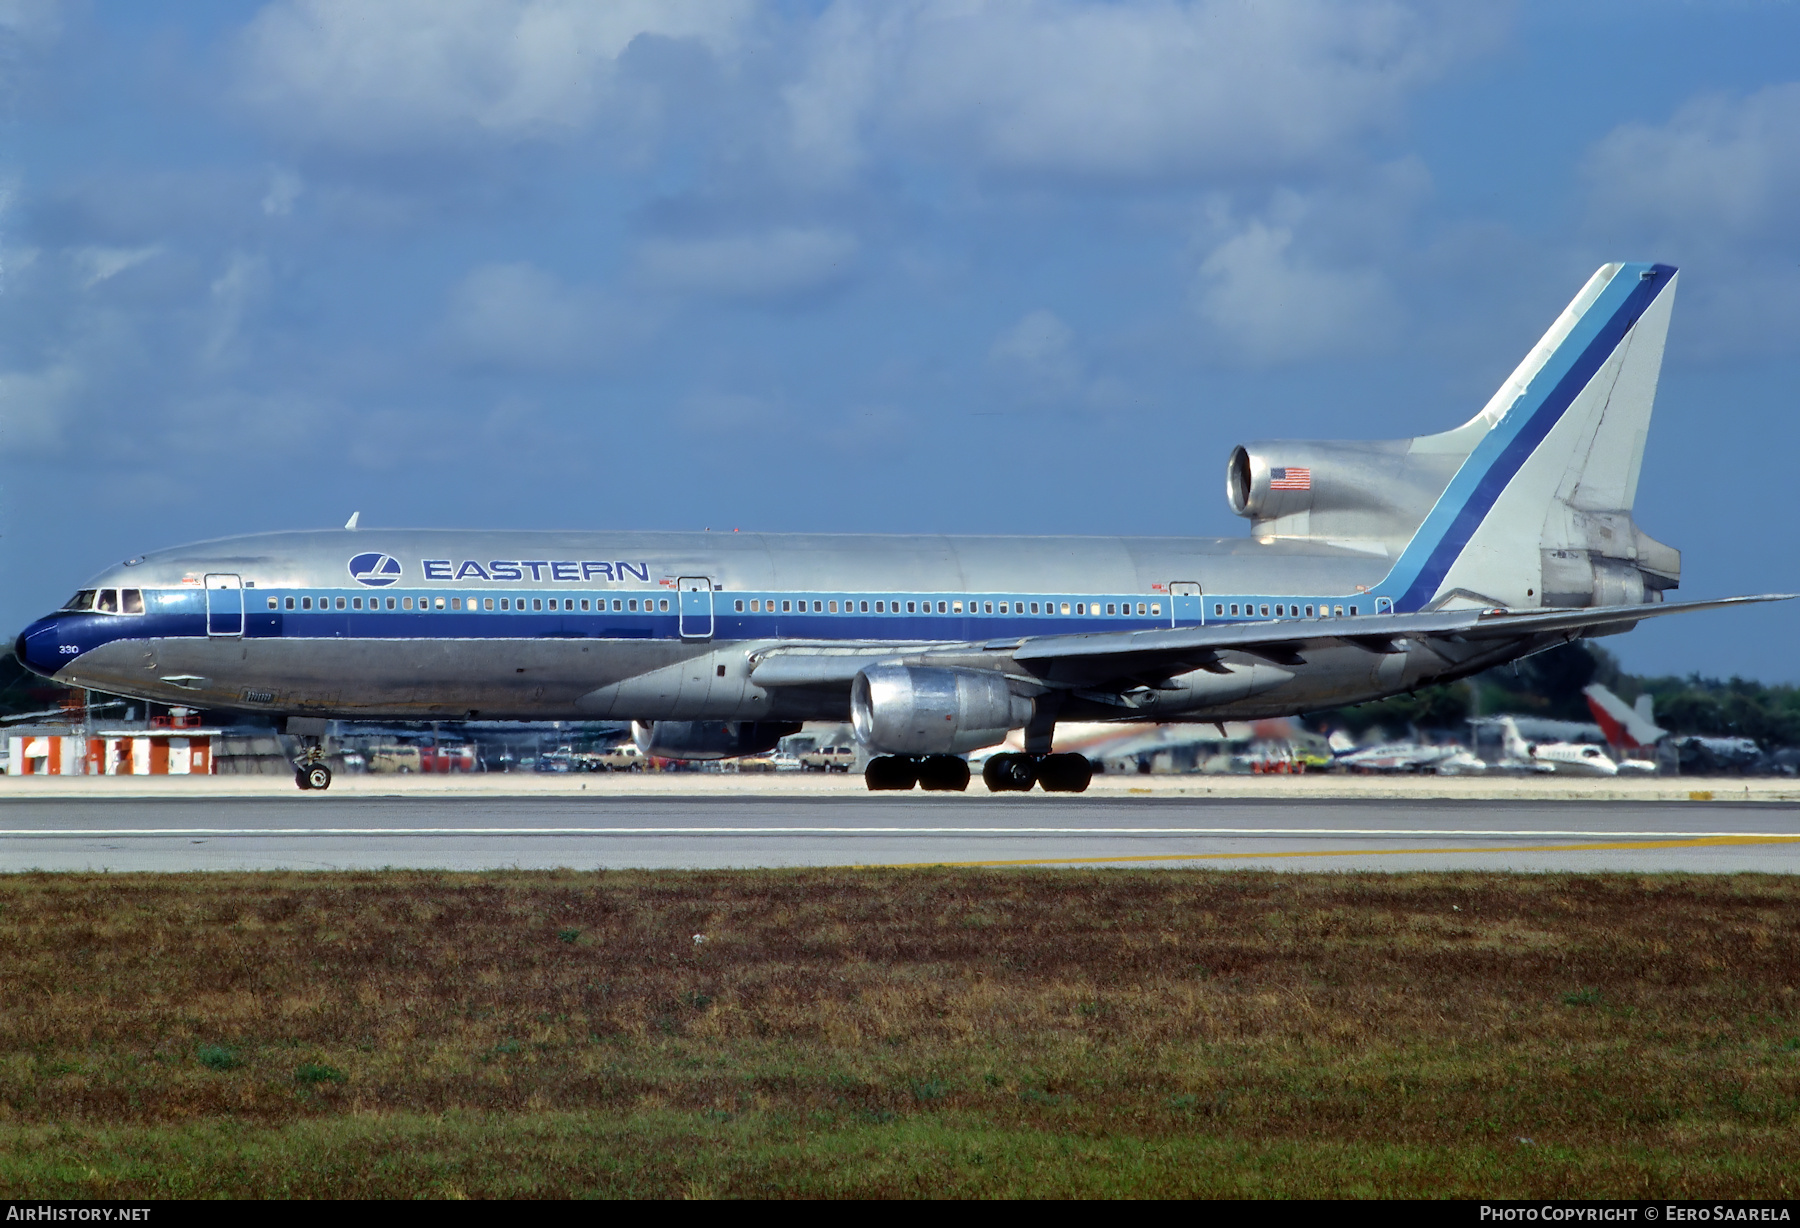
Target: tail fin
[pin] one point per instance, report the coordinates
(1539, 511)
(1625, 728)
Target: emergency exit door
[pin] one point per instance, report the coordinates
(224, 605)
(696, 596)
(1185, 606)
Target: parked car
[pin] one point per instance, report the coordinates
(829, 759)
(625, 757)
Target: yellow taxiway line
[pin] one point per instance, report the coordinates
(1702, 842)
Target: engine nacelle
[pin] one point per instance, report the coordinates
(1379, 489)
(921, 710)
(709, 739)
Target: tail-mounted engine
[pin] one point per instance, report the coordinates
(914, 710)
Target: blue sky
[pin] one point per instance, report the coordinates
(910, 267)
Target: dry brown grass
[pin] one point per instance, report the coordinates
(870, 1032)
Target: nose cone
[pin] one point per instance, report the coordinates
(39, 648)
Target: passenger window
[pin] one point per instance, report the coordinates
(1265, 611)
(910, 607)
(1309, 611)
(1218, 608)
(987, 607)
(356, 603)
(306, 603)
(1156, 607)
(131, 601)
(1338, 611)
(506, 603)
(1352, 609)
(273, 603)
(439, 603)
(818, 607)
(536, 603)
(488, 603)
(740, 607)
(663, 604)
(1080, 607)
(1141, 608)
(584, 605)
(834, 607)
(941, 609)
(1003, 607)
(863, 608)
(787, 607)
(108, 601)
(956, 607)
(881, 607)
(617, 607)
(633, 604)
(341, 603)
(1112, 607)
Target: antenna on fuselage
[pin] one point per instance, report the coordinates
(351, 523)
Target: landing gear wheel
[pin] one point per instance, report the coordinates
(890, 772)
(1009, 773)
(300, 780)
(1065, 773)
(318, 776)
(944, 774)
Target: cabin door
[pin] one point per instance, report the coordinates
(696, 595)
(224, 605)
(1185, 606)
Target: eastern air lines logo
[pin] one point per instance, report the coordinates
(375, 570)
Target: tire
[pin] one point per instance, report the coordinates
(300, 781)
(1009, 773)
(1065, 773)
(318, 776)
(944, 774)
(891, 772)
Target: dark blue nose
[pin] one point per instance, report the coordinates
(39, 647)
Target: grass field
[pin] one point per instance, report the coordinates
(932, 1033)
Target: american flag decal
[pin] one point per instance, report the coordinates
(1291, 478)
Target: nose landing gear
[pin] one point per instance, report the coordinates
(310, 771)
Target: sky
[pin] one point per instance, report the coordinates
(938, 266)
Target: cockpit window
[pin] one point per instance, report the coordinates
(108, 601)
(84, 600)
(131, 601)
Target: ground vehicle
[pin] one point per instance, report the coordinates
(622, 758)
(828, 759)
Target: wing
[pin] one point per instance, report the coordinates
(1137, 658)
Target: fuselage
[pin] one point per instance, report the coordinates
(445, 624)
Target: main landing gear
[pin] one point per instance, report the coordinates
(1016, 773)
(1009, 773)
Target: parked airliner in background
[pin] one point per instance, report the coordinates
(1370, 569)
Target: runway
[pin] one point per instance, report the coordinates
(485, 832)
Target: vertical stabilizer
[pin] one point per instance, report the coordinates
(1539, 511)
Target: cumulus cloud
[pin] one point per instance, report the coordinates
(1716, 189)
(786, 262)
(1039, 363)
(1143, 89)
(1721, 168)
(367, 75)
(518, 316)
(1270, 302)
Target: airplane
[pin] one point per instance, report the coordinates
(1371, 569)
(1627, 729)
(1561, 758)
(1412, 757)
